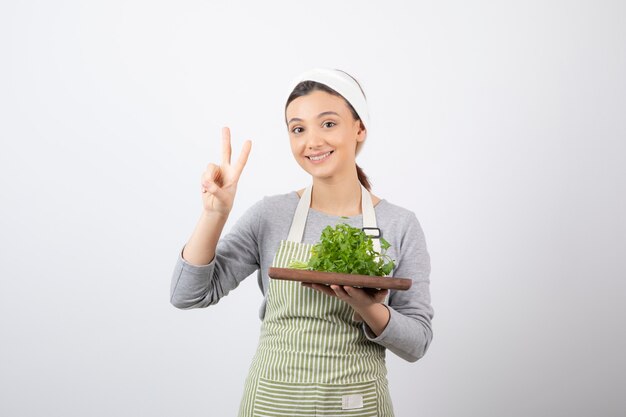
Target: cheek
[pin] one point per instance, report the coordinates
(342, 137)
(296, 148)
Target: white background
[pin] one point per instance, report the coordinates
(500, 124)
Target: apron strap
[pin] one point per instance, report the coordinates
(299, 219)
(369, 216)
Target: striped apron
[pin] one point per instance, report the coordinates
(313, 359)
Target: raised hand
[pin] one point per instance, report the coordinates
(219, 182)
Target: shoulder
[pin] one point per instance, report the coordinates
(277, 200)
(398, 221)
(277, 205)
(268, 212)
(271, 204)
(388, 209)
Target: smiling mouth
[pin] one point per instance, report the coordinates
(320, 157)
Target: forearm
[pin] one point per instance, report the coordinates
(376, 316)
(407, 337)
(200, 249)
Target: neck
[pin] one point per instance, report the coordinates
(337, 197)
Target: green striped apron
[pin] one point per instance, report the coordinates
(313, 359)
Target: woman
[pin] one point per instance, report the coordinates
(321, 348)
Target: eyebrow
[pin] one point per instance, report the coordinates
(325, 113)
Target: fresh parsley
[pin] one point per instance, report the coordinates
(348, 250)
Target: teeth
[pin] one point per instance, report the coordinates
(317, 158)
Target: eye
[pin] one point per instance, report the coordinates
(295, 129)
(331, 123)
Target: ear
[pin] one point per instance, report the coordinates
(361, 133)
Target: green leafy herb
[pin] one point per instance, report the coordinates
(348, 250)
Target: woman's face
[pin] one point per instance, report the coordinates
(323, 134)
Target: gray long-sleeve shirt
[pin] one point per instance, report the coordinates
(254, 239)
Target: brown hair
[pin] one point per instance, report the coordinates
(307, 87)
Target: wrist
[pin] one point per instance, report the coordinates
(372, 310)
(214, 216)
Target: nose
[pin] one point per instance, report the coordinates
(314, 140)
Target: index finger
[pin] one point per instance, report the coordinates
(226, 148)
(243, 157)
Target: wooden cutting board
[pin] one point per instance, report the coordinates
(353, 280)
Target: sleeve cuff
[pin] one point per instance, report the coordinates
(195, 269)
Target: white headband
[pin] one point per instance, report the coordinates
(341, 83)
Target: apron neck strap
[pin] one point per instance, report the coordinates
(299, 219)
